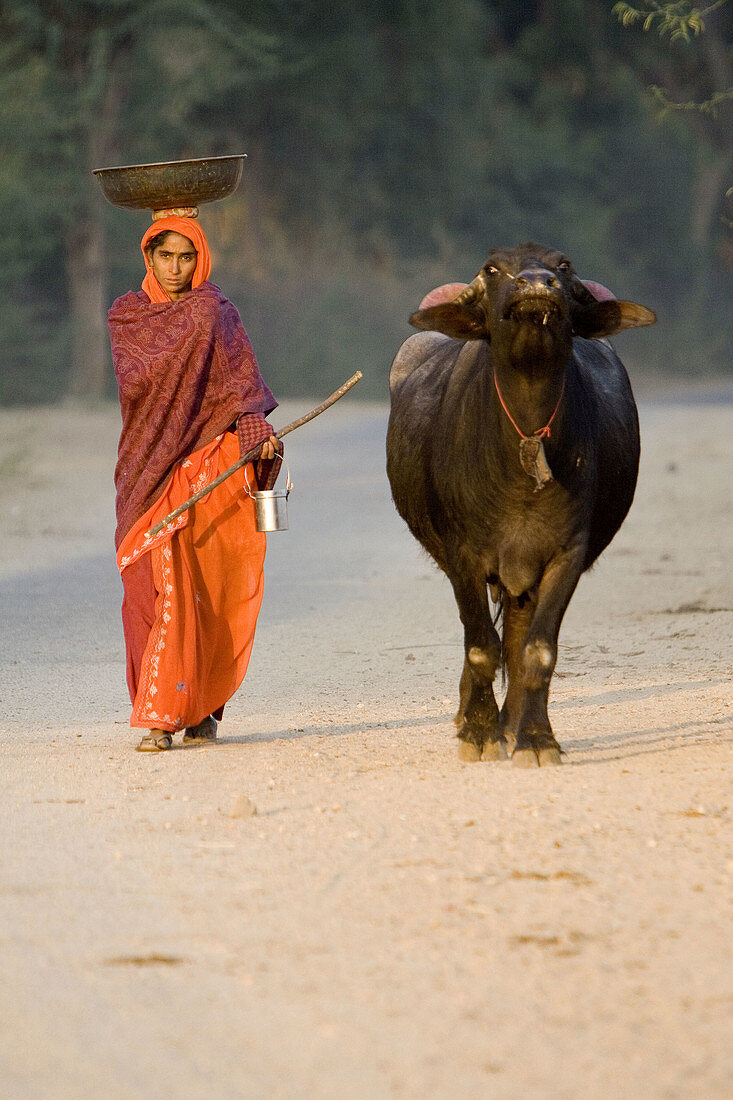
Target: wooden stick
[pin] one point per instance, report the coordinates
(255, 453)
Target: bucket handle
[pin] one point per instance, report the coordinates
(288, 484)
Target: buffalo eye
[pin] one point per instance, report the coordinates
(564, 265)
(492, 270)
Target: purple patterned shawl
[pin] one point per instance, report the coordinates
(186, 372)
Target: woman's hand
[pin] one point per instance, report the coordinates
(270, 448)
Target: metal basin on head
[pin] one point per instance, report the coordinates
(171, 183)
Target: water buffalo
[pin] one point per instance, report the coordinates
(512, 453)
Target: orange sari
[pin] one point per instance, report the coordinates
(207, 572)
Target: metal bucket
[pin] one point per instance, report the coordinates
(271, 506)
(271, 509)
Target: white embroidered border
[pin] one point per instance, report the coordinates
(194, 487)
(157, 642)
(162, 556)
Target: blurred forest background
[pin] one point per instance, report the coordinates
(390, 144)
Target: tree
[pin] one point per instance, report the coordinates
(682, 22)
(698, 86)
(70, 78)
(389, 142)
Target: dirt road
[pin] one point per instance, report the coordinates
(390, 922)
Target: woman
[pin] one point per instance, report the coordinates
(192, 401)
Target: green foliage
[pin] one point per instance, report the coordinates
(678, 21)
(711, 106)
(390, 145)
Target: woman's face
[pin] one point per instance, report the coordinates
(173, 263)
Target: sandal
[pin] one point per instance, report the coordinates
(156, 741)
(204, 731)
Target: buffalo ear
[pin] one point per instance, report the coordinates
(453, 319)
(606, 318)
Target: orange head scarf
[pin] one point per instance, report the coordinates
(187, 227)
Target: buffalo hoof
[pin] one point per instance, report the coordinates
(525, 758)
(468, 752)
(511, 740)
(550, 756)
(547, 756)
(494, 750)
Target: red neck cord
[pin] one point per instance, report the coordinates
(543, 433)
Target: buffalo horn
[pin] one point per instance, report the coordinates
(473, 291)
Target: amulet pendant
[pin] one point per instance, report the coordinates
(534, 461)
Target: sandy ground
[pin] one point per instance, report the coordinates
(390, 922)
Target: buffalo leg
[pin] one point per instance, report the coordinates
(535, 741)
(516, 618)
(478, 714)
